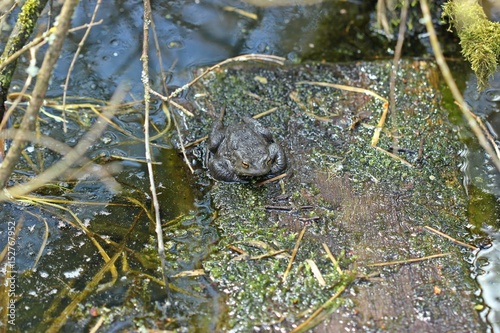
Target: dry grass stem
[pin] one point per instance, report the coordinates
(332, 258)
(316, 272)
(308, 322)
(408, 261)
(270, 180)
(472, 247)
(265, 113)
(294, 253)
(380, 124)
(241, 12)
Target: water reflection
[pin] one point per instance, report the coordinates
(488, 277)
(484, 191)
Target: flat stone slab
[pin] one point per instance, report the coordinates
(366, 206)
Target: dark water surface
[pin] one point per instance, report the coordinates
(190, 34)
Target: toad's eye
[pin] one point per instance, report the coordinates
(245, 165)
(269, 161)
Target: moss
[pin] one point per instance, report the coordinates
(359, 197)
(479, 37)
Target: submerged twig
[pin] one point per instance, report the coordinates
(486, 132)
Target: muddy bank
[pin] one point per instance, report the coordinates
(363, 204)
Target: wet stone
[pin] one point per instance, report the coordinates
(363, 204)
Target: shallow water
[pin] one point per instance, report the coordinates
(190, 35)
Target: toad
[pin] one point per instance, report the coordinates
(243, 151)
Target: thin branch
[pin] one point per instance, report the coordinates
(395, 67)
(39, 91)
(22, 30)
(40, 41)
(145, 81)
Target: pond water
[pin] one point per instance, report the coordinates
(190, 35)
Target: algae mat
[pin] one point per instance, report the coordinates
(358, 202)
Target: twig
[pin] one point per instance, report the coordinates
(395, 67)
(448, 77)
(408, 261)
(242, 58)
(73, 61)
(39, 91)
(472, 247)
(40, 41)
(332, 258)
(281, 208)
(270, 180)
(21, 94)
(485, 130)
(294, 253)
(145, 81)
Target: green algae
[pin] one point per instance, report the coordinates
(364, 204)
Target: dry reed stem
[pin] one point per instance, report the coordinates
(408, 261)
(442, 234)
(332, 258)
(294, 253)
